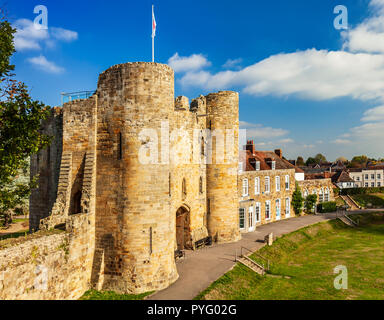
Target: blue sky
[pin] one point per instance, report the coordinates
(304, 86)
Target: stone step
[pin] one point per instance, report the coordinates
(254, 266)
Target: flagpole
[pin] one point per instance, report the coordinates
(153, 37)
(153, 49)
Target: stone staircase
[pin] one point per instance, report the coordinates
(89, 182)
(61, 205)
(351, 203)
(254, 266)
(348, 221)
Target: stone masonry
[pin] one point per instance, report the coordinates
(139, 212)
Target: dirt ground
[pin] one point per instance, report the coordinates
(15, 227)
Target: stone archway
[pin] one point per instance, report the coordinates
(183, 233)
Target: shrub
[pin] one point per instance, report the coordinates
(354, 191)
(310, 202)
(325, 207)
(336, 191)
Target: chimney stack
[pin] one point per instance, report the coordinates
(250, 146)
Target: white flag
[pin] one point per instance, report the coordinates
(153, 24)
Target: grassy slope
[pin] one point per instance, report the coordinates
(376, 200)
(309, 256)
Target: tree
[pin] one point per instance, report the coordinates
(310, 161)
(320, 158)
(20, 129)
(342, 159)
(300, 161)
(360, 159)
(310, 202)
(297, 200)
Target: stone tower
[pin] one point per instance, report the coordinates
(133, 206)
(110, 169)
(222, 201)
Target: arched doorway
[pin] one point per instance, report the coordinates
(183, 237)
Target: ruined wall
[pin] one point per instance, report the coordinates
(315, 185)
(52, 267)
(223, 204)
(47, 164)
(135, 247)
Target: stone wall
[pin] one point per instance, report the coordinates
(188, 164)
(52, 267)
(134, 229)
(47, 164)
(314, 186)
(141, 207)
(262, 197)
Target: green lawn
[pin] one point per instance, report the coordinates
(340, 202)
(308, 257)
(110, 295)
(375, 200)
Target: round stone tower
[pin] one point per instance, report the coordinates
(222, 198)
(133, 229)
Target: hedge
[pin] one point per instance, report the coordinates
(353, 191)
(325, 207)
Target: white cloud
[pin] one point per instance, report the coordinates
(232, 63)
(259, 131)
(374, 131)
(369, 35)
(311, 74)
(341, 141)
(284, 141)
(374, 114)
(191, 63)
(63, 34)
(43, 64)
(28, 37)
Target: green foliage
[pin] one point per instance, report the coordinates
(325, 207)
(111, 295)
(336, 191)
(310, 202)
(360, 159)
(369, 200)
(300, 161)
(20, 134)
(320, 158)
(353, 191)
(297, 200)
(7, 48)
(310, 161)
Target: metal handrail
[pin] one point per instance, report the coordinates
(255, 253)
(79, 95)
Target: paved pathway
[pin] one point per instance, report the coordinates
(202, 267)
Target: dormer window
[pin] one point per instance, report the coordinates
(257, 165)
(273, 165)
